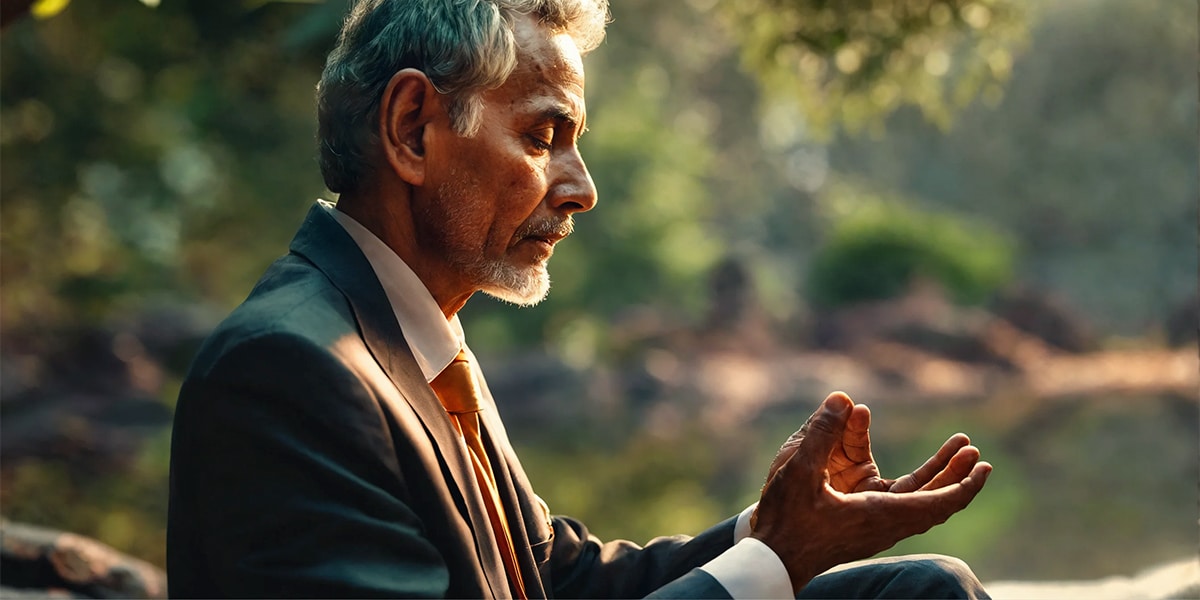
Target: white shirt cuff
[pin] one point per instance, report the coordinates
(741, 530)
(750, 569)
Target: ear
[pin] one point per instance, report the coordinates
(408, 104)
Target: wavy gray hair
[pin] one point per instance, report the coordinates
(463, 46)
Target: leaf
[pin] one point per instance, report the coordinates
(44, 9)
(151, 3)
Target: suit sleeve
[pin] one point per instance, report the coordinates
(285, 483)
(584, 567)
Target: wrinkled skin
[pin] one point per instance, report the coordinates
(825, 502)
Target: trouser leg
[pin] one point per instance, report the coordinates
(925, 576)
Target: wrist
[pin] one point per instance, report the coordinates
(800, 571)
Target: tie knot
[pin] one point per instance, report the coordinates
(455, 386)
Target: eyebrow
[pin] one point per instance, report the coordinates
(562, 114)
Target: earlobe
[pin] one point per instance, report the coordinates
(404, 112)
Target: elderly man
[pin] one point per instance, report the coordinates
(334, 437)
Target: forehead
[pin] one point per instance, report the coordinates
(549, 70)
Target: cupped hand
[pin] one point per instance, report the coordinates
(852, 466)
(824, 503)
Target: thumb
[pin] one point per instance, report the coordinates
(823, 430)
(827, 424)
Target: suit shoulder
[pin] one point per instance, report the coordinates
(293, 303)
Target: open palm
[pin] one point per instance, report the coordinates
(852, 468)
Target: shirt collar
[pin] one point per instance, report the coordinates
(433, 340)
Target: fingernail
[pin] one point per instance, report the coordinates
(838, 403)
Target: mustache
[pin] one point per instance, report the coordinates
(546, 227)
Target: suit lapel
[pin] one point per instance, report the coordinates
(323, 241)
(523, 510)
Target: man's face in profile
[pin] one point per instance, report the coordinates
(493, 205)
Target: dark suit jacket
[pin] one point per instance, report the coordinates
(310, 458)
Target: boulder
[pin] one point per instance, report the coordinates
(1046, 316)
(37, 562)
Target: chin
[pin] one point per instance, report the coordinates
(524, 287)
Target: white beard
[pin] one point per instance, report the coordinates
(521, 286)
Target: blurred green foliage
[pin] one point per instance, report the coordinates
(169, 153)
(1089, 161)
(148, 154)
(881, 248)
(125, 508)
(851, 62)
(676, 494)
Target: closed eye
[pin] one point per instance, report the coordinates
(542, 140)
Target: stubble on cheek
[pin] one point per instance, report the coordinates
(454, 231)
(450, 222)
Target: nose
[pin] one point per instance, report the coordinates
(572, 189)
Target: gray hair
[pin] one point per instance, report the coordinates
(462, 46)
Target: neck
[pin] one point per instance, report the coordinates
(388, 216)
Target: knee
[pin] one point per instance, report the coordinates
(943, 576)
(923, 576)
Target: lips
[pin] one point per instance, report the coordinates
(545, 244)
(548, 231)
(550, 239)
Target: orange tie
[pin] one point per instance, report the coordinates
(455, 387)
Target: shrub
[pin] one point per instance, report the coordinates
(878, 251)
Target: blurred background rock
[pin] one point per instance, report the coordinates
(974, 215)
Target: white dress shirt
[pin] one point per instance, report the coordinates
(750, 569)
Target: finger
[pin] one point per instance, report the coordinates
(957, 496)
(919, 511)
(965, 491)
(821, 433)
(936, 463)
(856, 442)
(960, 466)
